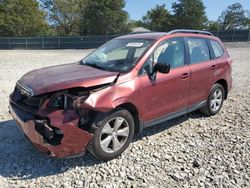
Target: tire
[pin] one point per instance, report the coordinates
(214, 101)
(109, 128)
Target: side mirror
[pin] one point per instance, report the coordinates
(162, 68)
(159, 67)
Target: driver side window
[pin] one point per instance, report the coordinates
(169, 52)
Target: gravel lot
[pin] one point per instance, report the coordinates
(192, 150)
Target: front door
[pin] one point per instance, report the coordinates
(168, 93)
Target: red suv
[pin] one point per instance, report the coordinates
(129, 83)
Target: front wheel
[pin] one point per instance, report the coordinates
(112, 134)
(214, 101)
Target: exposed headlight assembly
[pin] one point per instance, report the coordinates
(67, 101)
(24, 89)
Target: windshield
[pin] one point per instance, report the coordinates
(118, 54)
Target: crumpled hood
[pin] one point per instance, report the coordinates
(65, 76)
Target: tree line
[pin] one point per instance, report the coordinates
(107, 17)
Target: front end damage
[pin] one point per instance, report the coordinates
(57, 123)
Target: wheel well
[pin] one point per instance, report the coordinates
(225, 86)
(134, 112)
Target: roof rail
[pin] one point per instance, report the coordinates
(190, 31)
(139, 32)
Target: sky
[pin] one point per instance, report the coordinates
(138, 8)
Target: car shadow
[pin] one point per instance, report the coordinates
(19, 159)
(149, 131)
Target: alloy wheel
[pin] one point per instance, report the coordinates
(114, 134)
(216, 100)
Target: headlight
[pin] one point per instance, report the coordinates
(24, 89)
(67, 100)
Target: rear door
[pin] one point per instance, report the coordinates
(202, 70)
(221, 61)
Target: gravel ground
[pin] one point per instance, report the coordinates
(192, 150)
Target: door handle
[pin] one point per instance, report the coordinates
(213, 67)
(184, 76)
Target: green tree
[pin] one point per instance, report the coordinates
(189, 14)
(213, 25)
(22, 18)
(64, 15)
(104, 17)
(139, 23)
(158, 19)
(234, 17)
(132, 24)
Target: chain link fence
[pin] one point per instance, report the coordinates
(233, 35)
(86, 42)
(89, 42)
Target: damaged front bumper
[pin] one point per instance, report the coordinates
(60, 138)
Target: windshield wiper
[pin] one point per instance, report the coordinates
(94, 65)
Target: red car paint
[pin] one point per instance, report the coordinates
(182, 88)
(50, 79)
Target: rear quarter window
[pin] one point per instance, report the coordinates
(217, 49)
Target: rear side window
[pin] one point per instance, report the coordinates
(198, 50)
(218, 50)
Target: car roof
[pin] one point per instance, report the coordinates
(149, 35)
(178, 32)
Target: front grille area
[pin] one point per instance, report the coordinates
(22, 114)
(17, 95)
(33, 102)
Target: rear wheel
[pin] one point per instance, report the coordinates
(214, 101)
(112, 134)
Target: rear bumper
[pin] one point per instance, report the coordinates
(74, 140)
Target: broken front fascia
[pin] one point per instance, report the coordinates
(55, 128)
